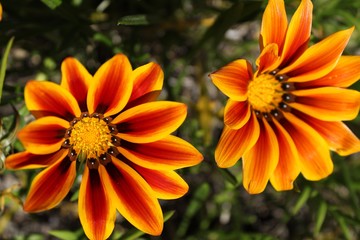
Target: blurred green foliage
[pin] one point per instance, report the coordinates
(189, 39)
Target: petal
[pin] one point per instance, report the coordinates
(337, 134)
(236, 114)
(268, 59)
(261, 160)
(328, 103)
(165, 184)
(50, 99)
(147, 97)
(96, 211)
(233, 79)
(234, 143)
(287, 168)
(345, 73)
(112, 86)
(150, 122)
(27, 160)
(76, 79)
(274, 23)
(168, 153)
(44, 135)
(314, 156)
(133, 197)
(319, 59)
(298, 32)
(51, 186)
(147, 78)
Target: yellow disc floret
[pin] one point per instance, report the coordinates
(90, 136)
(264, 93)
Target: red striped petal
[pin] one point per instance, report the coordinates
(260, 161)
(237, 114)
(96, 211)
(345, 73)
(147, 78)
(320, 59)
(27, 160)
(288, 167)
(274, 24)
(51, 186)
(168, 153)
(44, 135)
(233, 79)
(298, 32)
(165, 184)
(76, 79)
(133, 197)
(337, 134)
(111, 87)
(50, 99)
(314, 155)
(150, 122)
(328, 103)
(234, 143)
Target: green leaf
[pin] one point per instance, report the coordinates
(64, 235)
(197, 202)
(228, 176)
(135, 20)
(135, 233)
(320, 217)
(302, 200)
(4, 63)
(75, 196)
(52, 4)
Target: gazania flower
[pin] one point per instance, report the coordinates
(283, 118)
(111, 127)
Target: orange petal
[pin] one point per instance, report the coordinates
(345, 73)
(111, 87)
(96, 211)
(147, 78)
(27, 160)
(337, 134)
(261, 160)
(168, 153)
(268, 59)
(236, 114)
(287, 168)
(233, 79)
(50, 99)
(314, 156)
(274, 23)
(234, 143)
(133, 197)
(328, 103)
(319, 59)
(44, 135)
(165, 184)
(50, 186)
(76, 79)
(298, 32)
(150, 122)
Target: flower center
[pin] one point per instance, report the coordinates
(264, 93)
(92, 138)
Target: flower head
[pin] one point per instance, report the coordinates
(283, 118)
(111, 124)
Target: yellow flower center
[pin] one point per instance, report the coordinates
(264, 93)
(90, 136)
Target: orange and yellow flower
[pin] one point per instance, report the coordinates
(120, 135)
(283, 118)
